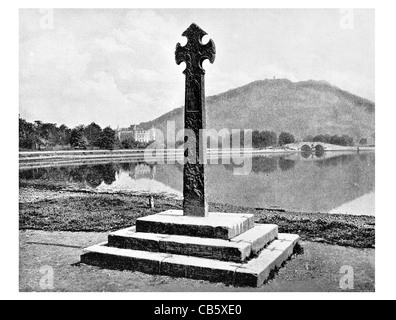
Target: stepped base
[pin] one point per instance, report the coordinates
(216, 226)
(222, 247)
(237, 249)
(252, 273)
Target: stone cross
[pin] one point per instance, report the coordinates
(193, 54)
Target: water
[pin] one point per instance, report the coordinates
(330, 182)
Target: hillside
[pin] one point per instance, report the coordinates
(301, 108)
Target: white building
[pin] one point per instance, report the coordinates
(136, 134)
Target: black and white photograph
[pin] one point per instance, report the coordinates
(114, 175)
(196, 150)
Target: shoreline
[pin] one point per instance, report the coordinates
(46, 159)
(54, 208)
(286, 149)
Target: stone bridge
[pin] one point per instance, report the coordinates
(309, 146)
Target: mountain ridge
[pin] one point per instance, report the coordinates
(302, 108)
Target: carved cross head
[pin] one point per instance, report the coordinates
(195, 52)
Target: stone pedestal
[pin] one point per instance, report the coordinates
(222, 247)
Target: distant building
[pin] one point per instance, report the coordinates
(136, 134)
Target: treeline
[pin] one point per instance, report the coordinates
(343, 140)
(266, 139)
(49, 136)
(131, 143)
(260, 139)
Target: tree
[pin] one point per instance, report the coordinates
(130, 143)
(46, 134)
(48, 131)
(27, 135)
(263, 139)
(327, 138)
(64, 135)
(127, 143)
(344, 140)
(324, 138)
(347, 140)
(286, 138)
(93, 132)
(363, 141)
(107, 139)
(78, 139)
(335, 139)
(268, 138)
(117, 144)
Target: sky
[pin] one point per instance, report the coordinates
(117, 67)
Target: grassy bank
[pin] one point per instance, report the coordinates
(53, 209)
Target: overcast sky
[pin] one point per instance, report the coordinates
(117, 67)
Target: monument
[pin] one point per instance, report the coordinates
(193, 242)
(193, 54)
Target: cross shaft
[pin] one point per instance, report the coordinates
(193, 54)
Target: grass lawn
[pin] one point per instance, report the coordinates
(55, 210)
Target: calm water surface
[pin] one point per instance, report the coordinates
(331, 182)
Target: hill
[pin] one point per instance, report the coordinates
(301, 108)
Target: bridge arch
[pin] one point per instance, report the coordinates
(319, 147)
(306, 148)
(319, 150)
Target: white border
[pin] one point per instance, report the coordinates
(385, 115)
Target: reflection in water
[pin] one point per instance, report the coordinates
(343, 159)
(319, 151)
(313, 181)
(306, 154)
(264, 164)
(286, 164)
(92, 176)
(363, 156)
(312, 152)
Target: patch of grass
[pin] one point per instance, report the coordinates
(97, 213)
(109, 212)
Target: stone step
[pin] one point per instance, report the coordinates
(224, 226)
(252, 273)
(238, 249)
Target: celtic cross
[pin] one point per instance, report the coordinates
(193, 54)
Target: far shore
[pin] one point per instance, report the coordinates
(33, 153)
(48, 159)
(38, 159)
